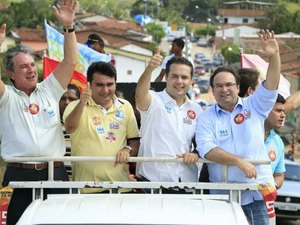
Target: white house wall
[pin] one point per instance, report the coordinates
(130, 69)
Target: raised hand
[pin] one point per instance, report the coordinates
(66, 13)
(85, 95)
(269, 45)
(155, 60)
(2, 33)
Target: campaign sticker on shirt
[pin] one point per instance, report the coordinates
(119, 114)
(191, 114)
(100, 130)
(239, 118)
(187, 120)
(96, 120)
(272, 153)
(168, 108)
(34, 108)
(111, 137)
(114, 125)
(24, 107)
(247, 113)
(50, 113)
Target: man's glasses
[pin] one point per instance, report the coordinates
(228, 85)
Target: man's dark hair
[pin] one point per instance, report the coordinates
(249, 78)
(95, 38)
(224, 69)
(179, 60)
(75, 88)
(179, 42)
(104, 68)
(280, 99)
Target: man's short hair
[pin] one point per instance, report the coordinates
(280, 99)
(104, 68)
(249, 78)
(95, 38)
(179, 60)
(8, 61)
(75, 88)
(179, 42)
(224, 69)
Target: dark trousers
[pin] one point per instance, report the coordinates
(22, 197)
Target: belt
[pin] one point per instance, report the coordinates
(37, 166)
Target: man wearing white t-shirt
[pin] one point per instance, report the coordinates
(176, 50)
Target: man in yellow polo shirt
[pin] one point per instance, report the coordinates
(101, 124)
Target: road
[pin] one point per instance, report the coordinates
(208, 52)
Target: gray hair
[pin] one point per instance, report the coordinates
(8, 57)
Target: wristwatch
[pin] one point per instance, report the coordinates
(69, 29)
(128, 147)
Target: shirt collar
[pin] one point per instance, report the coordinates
(117, 102)
(238, 104)
(168, 99)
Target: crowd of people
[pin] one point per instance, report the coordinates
(239, 126)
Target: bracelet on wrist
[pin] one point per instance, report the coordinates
(128, 148)
(69, 29)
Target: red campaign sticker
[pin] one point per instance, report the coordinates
(191, 114)
(34, 108)
(239, 118)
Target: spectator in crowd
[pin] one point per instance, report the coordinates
(168, 123)
(95, 42)
(72, 94)
(29, 112)
(101, 124)
(274, 144)
(176, 50)
(224, 128)
(249, 81)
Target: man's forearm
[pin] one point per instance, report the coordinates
(73, 119)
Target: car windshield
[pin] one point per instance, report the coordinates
(292, 172)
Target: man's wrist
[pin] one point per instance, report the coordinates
(69, 29)
(129, 148)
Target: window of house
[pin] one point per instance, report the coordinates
(245, 20)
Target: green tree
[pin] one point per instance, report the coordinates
(277, 18)
(231, 53)
(156, 31)
(29, 13)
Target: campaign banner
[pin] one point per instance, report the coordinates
(77, 78)
(86, 56)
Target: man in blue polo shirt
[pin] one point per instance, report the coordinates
(233, 129)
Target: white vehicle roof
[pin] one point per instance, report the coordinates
(132, 209)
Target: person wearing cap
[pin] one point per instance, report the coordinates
(97, 43)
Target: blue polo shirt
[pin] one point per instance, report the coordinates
(240, 132)
(275, 150)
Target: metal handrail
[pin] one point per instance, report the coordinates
(51, 161)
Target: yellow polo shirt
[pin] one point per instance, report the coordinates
(102, 133)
